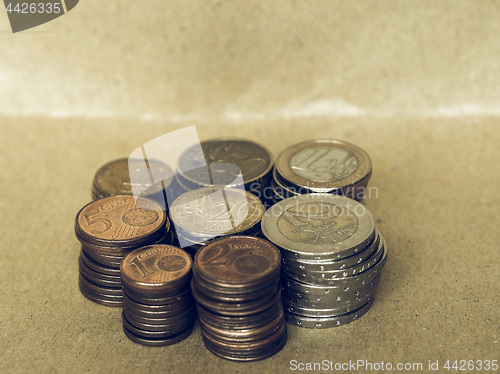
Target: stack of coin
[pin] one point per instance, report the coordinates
(158, 307)
(108, 230)
(226, 159)
(321, 166)
(207, 213)
(237, 290)
(332, 257)
(123, 176)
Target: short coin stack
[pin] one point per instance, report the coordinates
(237, 290)
(321, 166)
(332, 258)
(230, 162)
(118, 176)
(206, 213)
(108, 230)
(158, 305)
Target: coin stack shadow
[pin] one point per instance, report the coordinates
(321, 166)
(158, 306)
(332, 258)
(237, 289)
(228, 159)
(108, 229)
(202, 215)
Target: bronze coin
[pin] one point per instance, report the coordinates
(97, 278)
(248, 355)
(187, 314)
(261, 344)
(97, 267)
(244, 322)
(118, 177)
(181, 301)
(214, 293)
(152, 334)
(119, 221)
(156, 270)
(160, 325)
(236, 309)
(159, 302)
(105, 260)
(108, 291)
(166, 311)
(238, 260)
(244, 335)
(158, 342)
(106, 300)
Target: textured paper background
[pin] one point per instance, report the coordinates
(416, 84)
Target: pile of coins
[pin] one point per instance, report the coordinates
(332, 254)
(321, 166)
(120, 177)
(158, 307)
(227, 162)
(207, 213)
(237, 289)
(108, 230)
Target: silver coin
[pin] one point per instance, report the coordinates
(327, 276)
(336, 310)
(310, 265)
(319, 227)
(323, 165)
(351, 281)
(327, 322)
(328, 301)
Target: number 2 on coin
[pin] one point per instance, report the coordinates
(223, 250)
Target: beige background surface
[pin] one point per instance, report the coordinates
(416, 84)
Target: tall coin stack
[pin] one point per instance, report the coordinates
(332, 255)
(108, 230)
(118, 176)
(226, 159)
(206, 213)
(321, 166)
(237, 290)
(158, 306)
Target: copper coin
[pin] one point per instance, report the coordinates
(226, 159)
(160, 325)
(158, 342)
(158, 302)
(244, 322)
(105, 260)
(244, 346)
(323, 165)
(106, 300)
(99, 279)
(118, 177)
(249, 355)
(187, 314)
(156, 270)
(167, 311)
(209, 212)
(244, 335)
(214, 293)
(101, 290)
(236, 309)
(180, 301)
(238, 261)
(97, 267)
(152, 334)
(119, 221)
